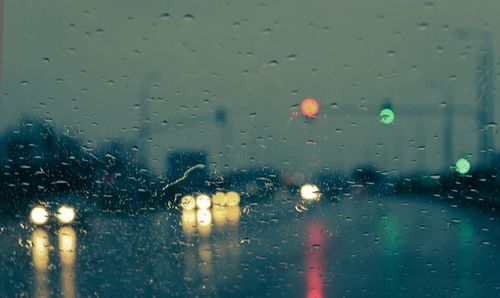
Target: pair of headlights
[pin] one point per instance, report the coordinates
(204, 201)
(65, 215)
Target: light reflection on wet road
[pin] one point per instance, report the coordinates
(358, 247)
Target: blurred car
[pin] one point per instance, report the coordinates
(187, 173)
(367, 180)
(253, 183)
(417, 184)
(332, 184)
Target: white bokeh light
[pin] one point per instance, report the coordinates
(310, 192)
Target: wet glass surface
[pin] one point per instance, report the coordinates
(253, 149)
(390, 246)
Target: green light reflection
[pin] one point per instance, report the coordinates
(391, 231)
(462, 166)
(386, 116)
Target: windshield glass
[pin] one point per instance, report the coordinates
(249, 148)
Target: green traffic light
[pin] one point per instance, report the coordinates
(386, 116)
(462, 166)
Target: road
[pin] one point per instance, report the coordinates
(279, 247)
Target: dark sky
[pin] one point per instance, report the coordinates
(82, 64)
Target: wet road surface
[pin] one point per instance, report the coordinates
(279, 247)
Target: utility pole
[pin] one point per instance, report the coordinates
(419, 110)
(485, 86)
(448, 130)
(144, 122)
(225, 133)
(145, 126)
(1, 43)
(486, 97)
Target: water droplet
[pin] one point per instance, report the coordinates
(45, 59)
(391, 53)
(423, 26)
(24, 83)
(491, 125)
(273, 63)
(300, 208)
(188, 17)
(165, 16)
(429, 5)
(316, 246)
(109, 155)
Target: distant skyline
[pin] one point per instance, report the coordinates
(85, 64)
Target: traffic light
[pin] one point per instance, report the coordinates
(309, 107)
(462, 166)
(386, 115)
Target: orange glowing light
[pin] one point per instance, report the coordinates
(309, 107)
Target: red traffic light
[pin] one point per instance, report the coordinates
(309, 107)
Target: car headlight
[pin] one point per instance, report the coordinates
(66, 214)
(39, 215)
(310, 192)
(233, 198)
(188, 202)
(219, 199)
(203, 201)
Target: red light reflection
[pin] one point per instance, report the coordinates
(315, 260)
